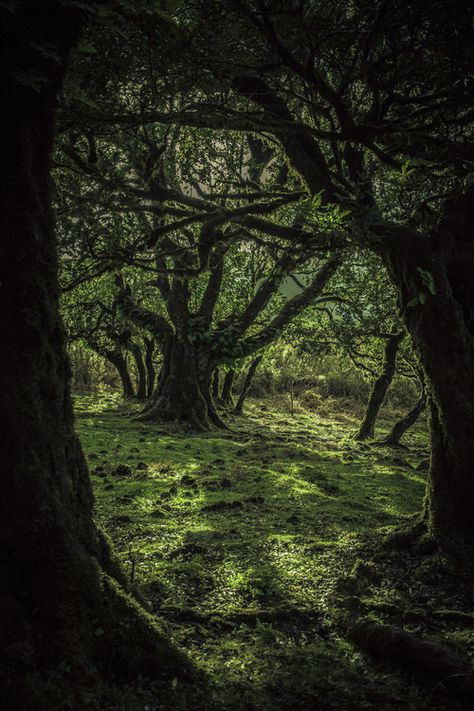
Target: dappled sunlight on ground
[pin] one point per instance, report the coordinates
(261, 519)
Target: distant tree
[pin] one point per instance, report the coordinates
(203, 302)
(92, 318)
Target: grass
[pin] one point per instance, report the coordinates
(240, 539)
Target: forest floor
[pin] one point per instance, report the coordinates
(246, 541)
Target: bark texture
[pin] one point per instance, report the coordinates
(435, 279)
(227, 397)
(398, 430)
(247, 383)
(63, 598)
(380, 387)
(118, 361)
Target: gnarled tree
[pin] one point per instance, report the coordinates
(64, 600)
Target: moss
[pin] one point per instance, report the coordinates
(266, 518)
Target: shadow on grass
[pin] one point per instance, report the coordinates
(261, 519)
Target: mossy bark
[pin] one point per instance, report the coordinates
(227, 397)
(141, 381)
(440, 268)
(215, 384)
(247, 383)
(403, 425)
(150, 366)
(63, 598)
(183, 395)
(118, 361)
(380, 387)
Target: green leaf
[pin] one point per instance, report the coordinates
(47, 51)
(86, 47)
(32, 79)
(83, 98)
(427, 279)
(420, 298)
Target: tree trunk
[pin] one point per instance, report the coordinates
(141, 371)
(400, 427)
(380, 387)
(226, 395)
(150, 367)
(442, 328)
(62, 595)
(120, 364)
(215, 384)
(183, 394)
(248, 381)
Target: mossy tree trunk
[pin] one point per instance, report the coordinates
(215, 384)
(435, 278)
(380, 387)
(403, 425)
(247, 383)
(193, 346)
(119, 362)
(63, 598)
(141, 381)
(150, 366)
(227, 397)
(183, 392)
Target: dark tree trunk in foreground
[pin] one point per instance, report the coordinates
(61, 594)
(247, 383)
(440, 268)
(227, 397)
(398, 430)
(380, 387)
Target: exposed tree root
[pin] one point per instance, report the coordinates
(407, 536)
(405, 649)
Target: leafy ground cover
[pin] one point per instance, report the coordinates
(247, 540)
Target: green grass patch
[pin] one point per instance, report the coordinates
(264, 518)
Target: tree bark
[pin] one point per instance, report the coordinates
(442, 328)
(215, 384)
(227, 397)
(380, 387)
(247, 383)
(398, 430)
(183, 394)
(150, 367)
(63, 597)
(141, 370)
(120, 364)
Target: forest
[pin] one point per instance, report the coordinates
(237, 355)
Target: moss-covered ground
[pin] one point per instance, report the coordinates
(240, 539)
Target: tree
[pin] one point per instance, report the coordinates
(246, 385)
(92, 319)
(64, 600)
(369, 93)
(203, 305)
